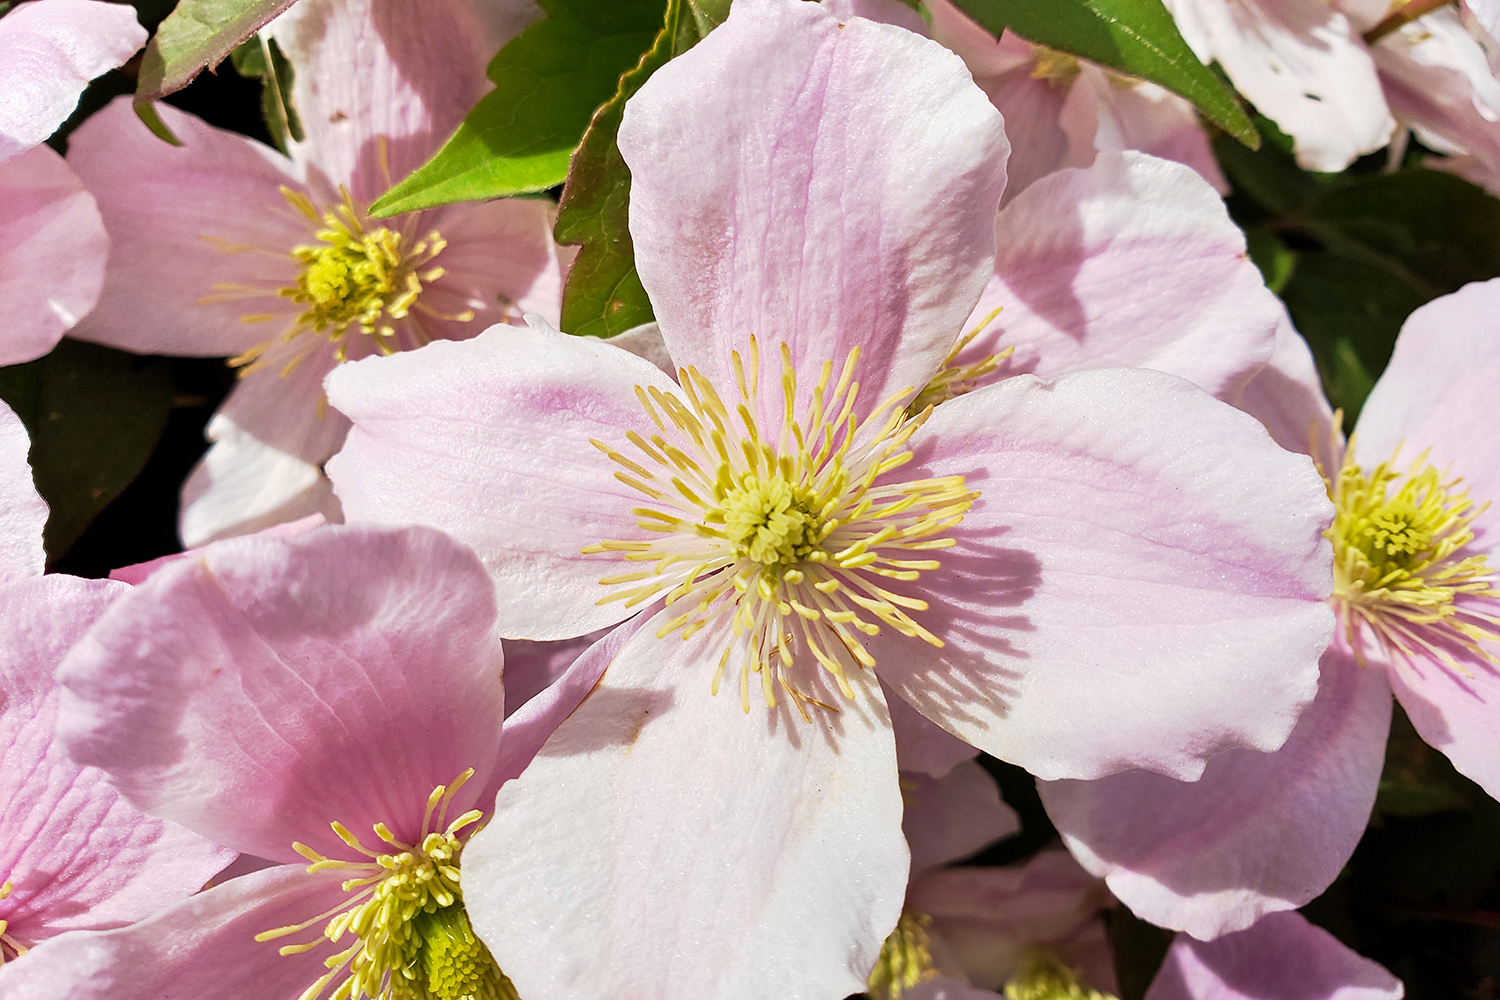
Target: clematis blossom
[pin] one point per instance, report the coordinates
(1413, 543)
(52, 240)
(1302, 64)
(332, 703)
(781, 528)
(73, 853)
(226, 247)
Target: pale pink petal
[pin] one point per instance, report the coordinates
(667, 843)
(23, 512)
(1282, 956)
(896, 12)
(48, 53)
(181, 221)
(1287, 397)
(1033, 110)
(953, 816)
(1456, 714)
(500, 262)
(489, 440)
(76, 854)
(203, 946)
(137, 573)
(1139, 584)
(243, 485)
(821, 185)
(922, 745)
(1302, 65)
(268, 687)
(1257, 833)
(532, 667)
(948, 988)
(645, 342)
(52, 253)
(1131, 262)
(1151, 119)
(381, 83)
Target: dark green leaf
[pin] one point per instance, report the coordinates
(1268, 177)
(603, 295)
(1272, 256)
(146, 112)
(549, 81)
(199, 33)
(1137, 37)
(94, 416)
(250, 60)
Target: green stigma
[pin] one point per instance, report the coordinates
(1043, 976)
(412, 937)
(905, 958)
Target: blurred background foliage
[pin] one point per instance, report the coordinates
(1351, 254)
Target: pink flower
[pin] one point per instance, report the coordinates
(1413, 588)
(333, 698)
(73, 854)
(1061, 111)
(52, 241)
(1069, 574)
(1302, 65)
(225, 247)
(1281, 956)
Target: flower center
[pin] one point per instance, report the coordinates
(905, 958)
(1400, 567)
(412, 939)
(790, 541)
(1043, 976)
(9, 947)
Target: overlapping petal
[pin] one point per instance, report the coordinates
(761, 204)
(489, 440)
(1130, 262)
(725, 854)
(76, 853)
(1139, 584)
(1282, 956)
(52, 253)
(48, 53)
(953, 816)
(268, 687)
(1256, 833)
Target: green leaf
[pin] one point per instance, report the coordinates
(1137, 37)
(603, 295)
(1272, 256)
(196, 34)
(94, 415)
(549, 81)
(252, 60)
(146, 112)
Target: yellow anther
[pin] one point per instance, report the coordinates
(1043, 976)
(905, 958)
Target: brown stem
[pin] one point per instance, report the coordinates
(1404, 14)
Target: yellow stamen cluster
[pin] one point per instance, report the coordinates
(362, 287)
(792, 539)
(1400, 564)
(412, 939)
(1043, 976)
(9, 947)
(905, 958)
(954, 379)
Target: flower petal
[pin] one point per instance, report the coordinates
(954, 816)
(825, 185)
(381, 83)
(268, 687)
(1130, 262)
(203, 946)
(1458, 715)
(666, 843)
(1287, 397)
(489, 440)
(23, 512)
(1302, 65)
(77, 854)
(1257, 833)
(52, 253)
(922, 745)
(1282, 956)
(1135, 546)
(184, 222)
(48, 53)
